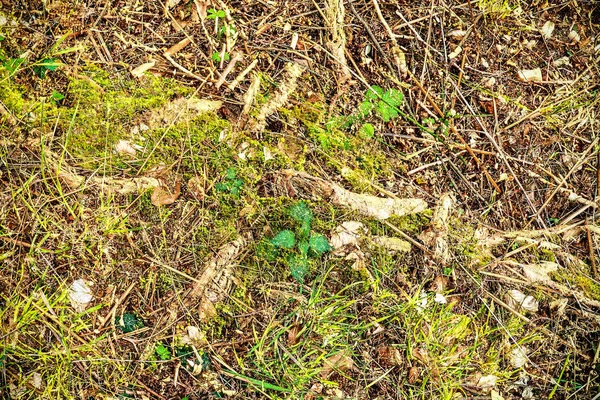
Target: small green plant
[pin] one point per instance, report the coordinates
(213, 13)
(163, 352)
(216, 56)
(386, 103)
(47, 64)
(12, 64)
(56, 97)
(129, 322)
(232, 184)
(300, 245)
(227, 30)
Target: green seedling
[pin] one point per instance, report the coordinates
(213, 13)
(301, 244)
(227, 30)
(232, 184)
(163, 352)
(47, 64)
(216, 56)
(386, 103)
(56, 97)
(129, 322)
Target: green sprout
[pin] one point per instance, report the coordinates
(300, 245)
(232, 184)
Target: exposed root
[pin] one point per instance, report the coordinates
(334, 20)
(299, 184)
(107, 185)
(216, 281)
(286, 87)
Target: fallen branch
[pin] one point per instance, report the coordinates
(293, 183)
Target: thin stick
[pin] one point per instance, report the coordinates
(564, 180)
(183, 69)
(242, 75)
(397, 53)
(237, 57)
(591, 250)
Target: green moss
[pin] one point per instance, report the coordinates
(580, 280)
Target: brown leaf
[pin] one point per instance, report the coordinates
(160, 196)
(439, 284)
(339, 362)
(196, 187)
(294, 334)
(413, 374)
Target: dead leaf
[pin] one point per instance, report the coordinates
(37, 381)
(559, 306)
(161, 196)
(530, 75)
(486, 383)
(339, 362)
(539, 272)
(494, 395)
(574, 37)
(440, 298)
(547, 29)
(389, 356)
(457, 34)
(455, 52)
(268, 155)
(194, 336)
(172, 3)
(439, 284)
(80, 295)
(518, 356)
(413, 375)
(125, 147)
(196, 187)
(140, 70)
(517, 299)
(294, 334)
(348, 233)
(201, 8)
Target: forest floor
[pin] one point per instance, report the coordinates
(314, 199)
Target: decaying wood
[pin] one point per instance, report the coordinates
(287, 86)
(335, 14)
(217, 279)
(297, 184)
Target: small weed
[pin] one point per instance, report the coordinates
(306, 245)
(163, 352)
(50, 61)
(214, 14)
(56, 97)
(129, 322)
(216, 56)
(47, 64)
(384, 102)
(232, 184)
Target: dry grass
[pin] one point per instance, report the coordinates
(84, 142)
